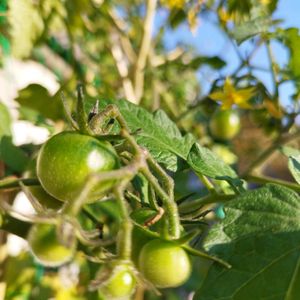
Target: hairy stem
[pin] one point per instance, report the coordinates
(267, 179)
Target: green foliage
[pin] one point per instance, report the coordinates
(24, 34)
(259, 238)
(37, 98)
(111, 49)
(156, 132)
(251, 28)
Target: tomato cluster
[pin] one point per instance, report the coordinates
(64, 165)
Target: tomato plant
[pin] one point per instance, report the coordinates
(46, 246)
(166, 154)
(67, 159)
(225, 124)
(164, 263)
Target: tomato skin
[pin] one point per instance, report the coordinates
(37, 191)
(225, 124)
(46, 247)
(121, 284)
(67, 159)
(164, 263)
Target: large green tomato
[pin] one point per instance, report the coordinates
(164, 263)
(67, 159)
(120, 285)
(225, 124)
(46, 247)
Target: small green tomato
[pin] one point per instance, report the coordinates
(164, 263)
(46, 247)
(120, 285)
(225, 124)
(67, 159)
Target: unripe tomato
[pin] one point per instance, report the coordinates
(67, 159)
(45, 199)
(120, 285)
(46, 247)
(164, 263)
(225, 124)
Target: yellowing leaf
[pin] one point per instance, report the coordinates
(231, 96)
(273, 108)
(26, 24)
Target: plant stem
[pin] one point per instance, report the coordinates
(169, 204)
(281, 140)
(213, 198)
(206, 183)
(267, 179)
(14, 183)
(273, 69)
(144, 49)
(125, 232)
(15, 226)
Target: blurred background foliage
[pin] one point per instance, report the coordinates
(119, 49)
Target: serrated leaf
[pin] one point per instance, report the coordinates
(158, 133)
(5, 121)
(204, 161)
(260, 238)
(36, 97)
(26, 25)
(294, 167)
(246, 30)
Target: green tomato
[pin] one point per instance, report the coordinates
(67, 159)
(164, 263)
(225, 124)
(46, 247)
(45, 199)
(120, 285)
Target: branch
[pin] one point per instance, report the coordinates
(122, 67)
(267, 179)
(144, 49)
(281, 140)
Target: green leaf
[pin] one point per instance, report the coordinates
(12, 156)
(5, 121)
(214, 61)
(248, 29)
(260, 238)
(291, 38)
(26, 25)
(36, 97)
(207, 163)
(294, 167)
(289, 151)
(157, 133)
(293, 162)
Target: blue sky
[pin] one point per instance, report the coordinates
(209, 40)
